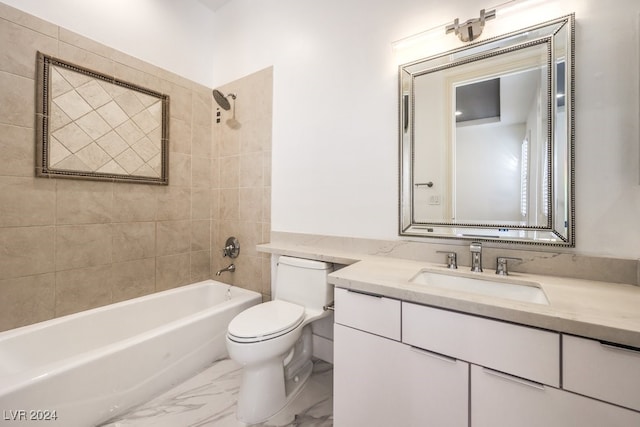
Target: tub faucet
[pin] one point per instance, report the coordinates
(231, 268)
(476, 257)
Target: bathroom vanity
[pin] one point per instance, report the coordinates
(409, 354)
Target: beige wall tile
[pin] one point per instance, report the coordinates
(18, 150)
(200, 203)
(77, 55)
(133, 240)
(83, 202)
(133, 279)
(266, 167)
(215, 173)
(229, 204)
(248, 274)
(266, 276)
(266, 204)
(201, 140)
(229, 143)
(137, 77)
(251, 170)
(27, 201)
(26, 300)
(180, 101)
(250, 204)
(26, 251)
(174, 203)
(215, 204)
(173, 271)
(256, 135)
(17, 94)
(133, 202)
(179, 170)
(82, 42)
(201, 172)
(19, 17)
(216, 133)
(250, 234)
(179, 135)
(200, 266)
(79, 246)
(21, 58)
(173, 237)
(202, 109)
(230, 172)
(201, 235)
(82, 289)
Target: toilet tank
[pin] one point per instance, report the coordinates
(304, 282)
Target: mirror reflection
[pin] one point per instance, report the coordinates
(486, 140)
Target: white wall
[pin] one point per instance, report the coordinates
(335, 107)
(174, 35)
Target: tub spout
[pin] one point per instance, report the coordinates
(231, 268)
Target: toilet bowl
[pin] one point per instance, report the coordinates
(273, 342)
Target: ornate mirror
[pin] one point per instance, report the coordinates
(487, 139)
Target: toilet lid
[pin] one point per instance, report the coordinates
(262, 321)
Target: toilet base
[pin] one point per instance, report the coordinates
(268, 387)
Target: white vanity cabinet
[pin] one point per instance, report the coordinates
(404, 364)
(379, 381)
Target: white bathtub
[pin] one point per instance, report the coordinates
(85, 368)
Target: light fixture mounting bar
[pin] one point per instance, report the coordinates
(472, 28)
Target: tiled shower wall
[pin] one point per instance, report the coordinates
(241, 204)
(71, 245)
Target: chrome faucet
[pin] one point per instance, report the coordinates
(502, 266)
(231, 268)
(452, 259)
(476, 257)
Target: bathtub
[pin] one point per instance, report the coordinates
(87, 367)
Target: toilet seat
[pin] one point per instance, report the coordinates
(265, 321)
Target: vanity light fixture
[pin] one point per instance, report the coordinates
(469, 30)
(472, 28)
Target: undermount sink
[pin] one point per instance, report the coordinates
(501, 287)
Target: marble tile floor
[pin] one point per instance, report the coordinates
(209, 399)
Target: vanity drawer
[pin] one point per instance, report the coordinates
(370, 313)
(601, 370)
(522, 351)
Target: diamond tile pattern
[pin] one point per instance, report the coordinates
(97, 126)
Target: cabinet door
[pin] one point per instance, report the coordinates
(601, 370)
(501, 400)
(380, 382)
(368, 387)
(370, 313)
(437, 389)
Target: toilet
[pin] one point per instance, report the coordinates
(273, 341)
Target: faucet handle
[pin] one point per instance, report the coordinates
(452, 259)
(501, 264)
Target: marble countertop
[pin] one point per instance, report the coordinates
(598, 310)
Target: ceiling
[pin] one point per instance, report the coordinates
(214, 5)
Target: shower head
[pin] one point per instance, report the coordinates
(222, 100)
